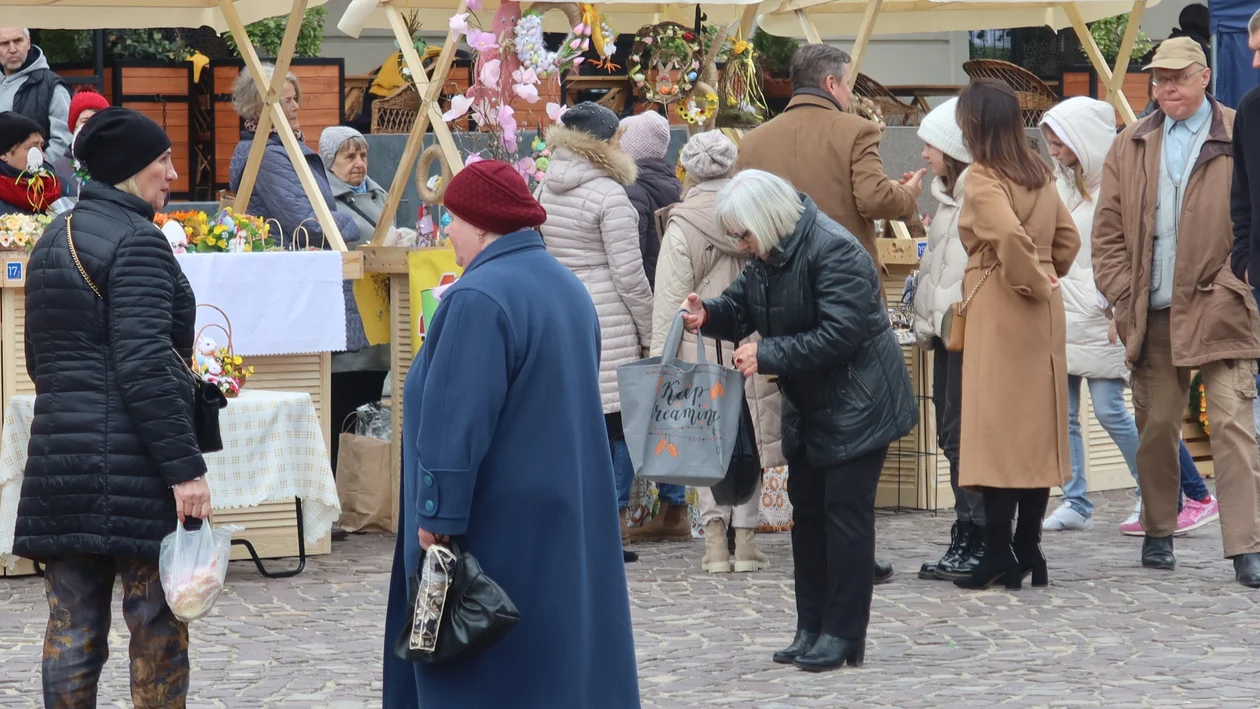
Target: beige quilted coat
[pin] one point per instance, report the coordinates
(592, 229)
(697, 257)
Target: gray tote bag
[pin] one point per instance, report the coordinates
(681, 419)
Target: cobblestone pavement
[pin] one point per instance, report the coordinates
(1105, 634)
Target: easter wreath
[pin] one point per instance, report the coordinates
(531, 48)
(672, 49)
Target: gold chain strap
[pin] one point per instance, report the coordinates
(962, 309)
(74, 254)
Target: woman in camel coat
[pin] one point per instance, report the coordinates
(1020, 240)
(696, 256)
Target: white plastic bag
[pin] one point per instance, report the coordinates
(193, 565)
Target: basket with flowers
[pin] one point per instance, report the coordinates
(227, 232)
(19, 232)
(219, 364)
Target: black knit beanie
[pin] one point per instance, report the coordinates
(117, 143)
(592, 119)
(14, 130)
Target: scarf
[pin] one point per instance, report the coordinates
(16, 190)
(252, 127)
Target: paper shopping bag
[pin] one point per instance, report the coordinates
(680, 419)
(363, 484)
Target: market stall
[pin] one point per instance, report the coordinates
(404, 275)
(818, 19)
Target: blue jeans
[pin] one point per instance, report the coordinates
(1109, 409)
(623, 471)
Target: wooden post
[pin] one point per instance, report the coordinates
(273, 113)
(808, 28)
(747, 20)
(1115, 90)
(865, 30)
(429, 113)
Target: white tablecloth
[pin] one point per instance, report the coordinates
(278, 303)
(273, 452)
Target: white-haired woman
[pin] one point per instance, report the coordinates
(813, 294)
(277, 192)
(697, 256)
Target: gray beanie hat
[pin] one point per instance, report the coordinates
(708, 156)
(331, 140)
(592, 119)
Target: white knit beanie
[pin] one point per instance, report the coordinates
(939, 129)
(331, 140)
(645, 136)
(708, 156)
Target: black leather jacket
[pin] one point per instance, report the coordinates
(816, 302)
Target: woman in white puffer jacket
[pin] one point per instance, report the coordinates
(940, 286)
(593, 230)
(1079, 133)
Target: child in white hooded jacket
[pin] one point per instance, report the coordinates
(1079, 132)
(940, 286)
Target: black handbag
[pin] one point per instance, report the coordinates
(473, 614)
(208, 399)
(744, 471)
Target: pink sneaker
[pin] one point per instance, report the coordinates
(1132, 526)
(1195, 514)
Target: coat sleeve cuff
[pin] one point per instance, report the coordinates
(444, 501)
(182, 470)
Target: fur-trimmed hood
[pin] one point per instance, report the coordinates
(578, 157)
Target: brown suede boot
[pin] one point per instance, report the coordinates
(625, 526)
(717, 560)
(747, 556)
(669, 525)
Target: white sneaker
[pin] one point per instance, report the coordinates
(1067, 519)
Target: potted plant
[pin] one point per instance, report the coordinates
(1108, 33)
(774, 55)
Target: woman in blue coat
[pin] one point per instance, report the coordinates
(504, 447)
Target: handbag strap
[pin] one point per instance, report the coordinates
(962, 309)
(74, 254)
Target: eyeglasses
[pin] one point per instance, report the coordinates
(1179, 81)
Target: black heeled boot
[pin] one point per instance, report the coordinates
(948, 566)
(1027, 542)
(831, 652)
(801, 644)
(999, 563)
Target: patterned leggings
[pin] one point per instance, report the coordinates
(80, 591)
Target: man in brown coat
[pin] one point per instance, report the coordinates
(1177, 305)
(830, 154)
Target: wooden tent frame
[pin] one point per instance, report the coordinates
(430, 88)
(272, 114)
(1112, 78)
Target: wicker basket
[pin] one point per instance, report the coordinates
(895, 112)
(1035, 98)
(397, 112)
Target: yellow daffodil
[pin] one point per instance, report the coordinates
(237, 361)
(740, 47)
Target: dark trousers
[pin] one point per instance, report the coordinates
(80, 590)
(947, 400)
(833, 543)
(1001, 504)
(350, 390)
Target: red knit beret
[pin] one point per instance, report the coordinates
(85, 101)
(492, 195)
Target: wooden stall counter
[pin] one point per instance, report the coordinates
(272, 526)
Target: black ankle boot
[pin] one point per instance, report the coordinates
(831, 652)
(1032, 560)
(629, 556)
(999, 564)
(947, 567)
(973, 554)
(801, 644)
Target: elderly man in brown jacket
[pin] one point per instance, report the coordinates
(1161, 248)
(830, 154)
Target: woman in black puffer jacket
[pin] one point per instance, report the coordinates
(813, 295)
(113, 462)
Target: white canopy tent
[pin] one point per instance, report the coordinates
(815, 19)
(362, 14)
(223, 15)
